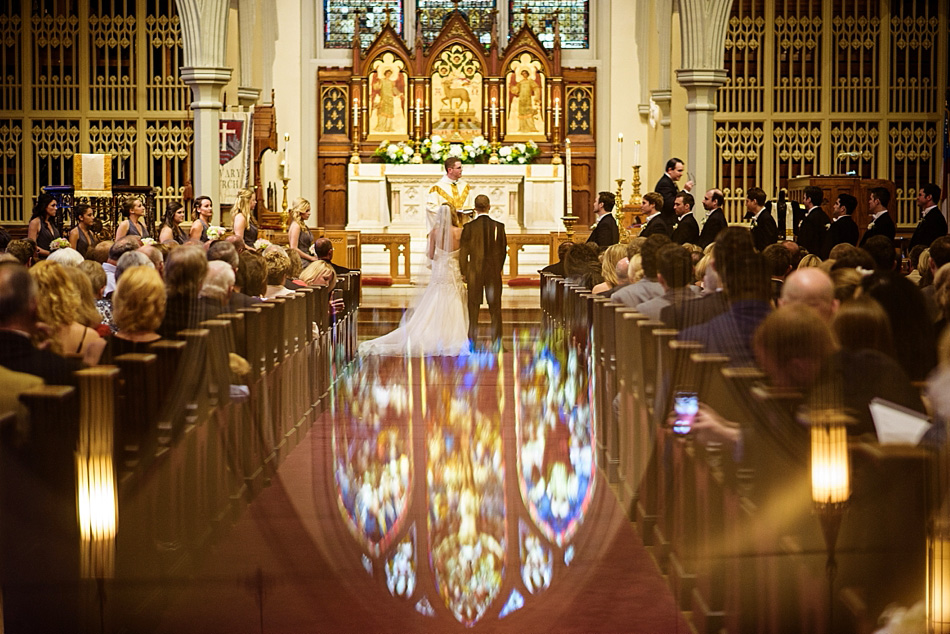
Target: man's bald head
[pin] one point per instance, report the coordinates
(812, 287)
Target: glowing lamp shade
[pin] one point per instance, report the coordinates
(830, 471)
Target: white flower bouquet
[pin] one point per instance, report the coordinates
(400, 152)
(260, 244)
(519, 153)
(437, 149)
(58, 243)
(215, 232)
(149, 242)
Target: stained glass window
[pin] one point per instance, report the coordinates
(433, 13)
(338, 20)
(573, 18)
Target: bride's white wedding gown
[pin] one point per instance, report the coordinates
(438, 323)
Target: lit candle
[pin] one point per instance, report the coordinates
(356, 111)
(494, 111)
(557, 111)
(620, 155)
(286, 162)
(418, 111)
(636, 152)
(570, 197)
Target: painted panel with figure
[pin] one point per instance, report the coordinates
(388, 82)
(457, 94)
(525, 83)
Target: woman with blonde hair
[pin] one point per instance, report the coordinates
(319, 273)
(134, 210)
(298, 234)
(58, 305)
(139, 308)
(609, 261)
(242, 222)
(810, 260)
(278, 268)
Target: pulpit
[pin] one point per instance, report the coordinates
(832, 186)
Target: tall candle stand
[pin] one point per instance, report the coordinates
(355, 156)
(417, 145)
(619, 215)
(635, 199)
(493, 157)
(569, 219)
(556, 160)
(284, 215)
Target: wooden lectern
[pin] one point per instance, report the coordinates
(831, 186)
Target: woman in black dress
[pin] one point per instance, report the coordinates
(298, 234)
(202, 213)
(242, 221)
(171, 223)
(42, 228)
(81, 236)
(134, 210)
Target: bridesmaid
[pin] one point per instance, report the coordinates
(298, 234)
(42, 228)
(81, 236)
(202, 212)
(171, 223)
(242, 221)
(133, 209)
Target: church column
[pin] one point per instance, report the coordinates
(703, 25)
(247, 18)
(662, 95)
(204, 26)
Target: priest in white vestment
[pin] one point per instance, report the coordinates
(450, 189)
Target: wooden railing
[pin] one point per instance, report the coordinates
(188, 457)
(736, 535)
(398, 246)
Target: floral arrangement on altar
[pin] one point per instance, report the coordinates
(438, 149)
(400, 152)
(520, 153)
(58, 243)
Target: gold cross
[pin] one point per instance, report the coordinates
(387, 10)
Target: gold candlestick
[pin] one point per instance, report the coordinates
(635, 199)
(493, 157)
(284, 215)
(620, 183)
(569, 222)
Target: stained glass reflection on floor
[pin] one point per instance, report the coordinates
(442, 494)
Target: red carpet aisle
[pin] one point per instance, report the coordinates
(438, 496)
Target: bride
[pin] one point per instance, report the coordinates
(438, 324)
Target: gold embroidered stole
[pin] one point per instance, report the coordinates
(456, 199)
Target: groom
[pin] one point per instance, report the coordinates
(482, 252)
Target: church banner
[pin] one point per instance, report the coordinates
(234, 154)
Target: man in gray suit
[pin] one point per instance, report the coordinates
(482, 252)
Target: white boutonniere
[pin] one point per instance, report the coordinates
(871, 225)
(752, 223)
(827, 226)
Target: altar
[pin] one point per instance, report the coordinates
(392, 198)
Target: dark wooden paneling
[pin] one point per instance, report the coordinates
(331, 212)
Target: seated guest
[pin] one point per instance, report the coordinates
(184, 272)
(215, 293)
(12, 384)
(652, 208)
(795, 252)
(87, 313)
(226, 252)
(881, 250)
(881, 223)
(811, 232)
(251, 278)
(674, 271)
(235, 242)
(848, 257)
(932, 224)
(687, 229)
(139, 304)
(278, 267)
(812, 287)
(780, 265)
(18, 324)
(647, 288)
(809, 260)
(155, 255)
(610, 261)
(861, 324)
(324, 250)
(97, 278)
(558, 267)
(634, 270)
(846, 282)
(926, 271)
(100, 252)
(66, 256)
(116, 251)
(913, 262)
(5, 238)
(293, 281)
(842, 229)
(745, 279)
(130, 260)
(319, 273)
(58, 307)
(942, 298)
(22, 250)
(582, 265)
(911, 325)
(298, 233)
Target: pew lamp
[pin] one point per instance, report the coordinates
(830, 481)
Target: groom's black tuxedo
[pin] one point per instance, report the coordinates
(482, 252)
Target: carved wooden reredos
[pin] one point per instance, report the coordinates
(463, 89)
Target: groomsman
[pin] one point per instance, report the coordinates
(604, 232)
(666, 187)
(483, 248)
(842, 227)
(881, 222)
(687, 229)
(811, 233)
(713, 202)
(932, 224)
(764, 229)
(651, 206)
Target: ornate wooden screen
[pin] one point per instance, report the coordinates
(90, 76)
(423, 75)
(829, 87)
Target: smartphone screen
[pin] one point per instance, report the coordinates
(337, 294)
(685, 404)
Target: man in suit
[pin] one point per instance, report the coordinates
(932, 224)
(881, 222)
(666, 187)
(713, 202)
(811, 233)
(605, 231)
(482, 252)
(842, 229)
(764, 229)
(687, 229)
(17, 324)
(652, 202)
